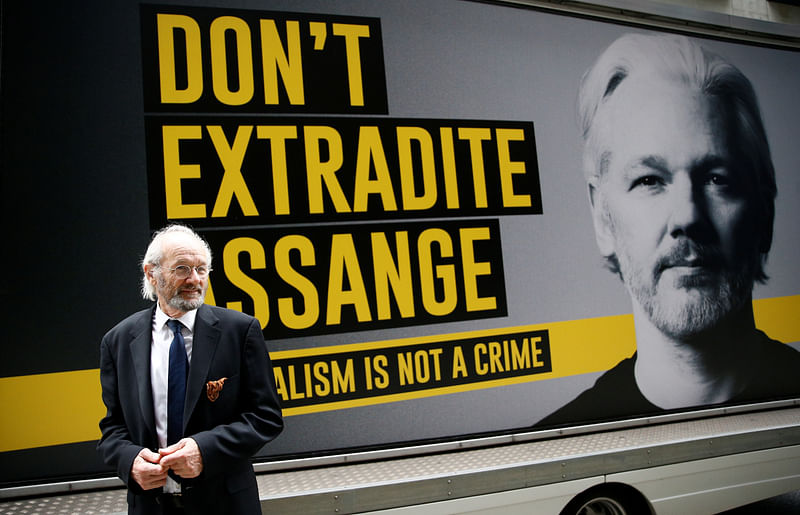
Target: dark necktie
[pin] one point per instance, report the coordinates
(176, 384)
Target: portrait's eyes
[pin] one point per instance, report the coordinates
(718, 178)
(647, 181)
(722, 181)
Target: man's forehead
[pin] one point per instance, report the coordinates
(183, 246)
(642, 90)
(649, 119)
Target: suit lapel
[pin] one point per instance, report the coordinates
(140, 351)
(204, 345)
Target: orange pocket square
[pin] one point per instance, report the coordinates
(213, 388)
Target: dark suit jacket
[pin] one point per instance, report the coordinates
(228, 431)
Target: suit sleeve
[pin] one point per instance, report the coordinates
(115, 445)
(259, 419)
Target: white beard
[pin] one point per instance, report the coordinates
(686, 309)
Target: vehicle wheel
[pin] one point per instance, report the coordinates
(609, 499)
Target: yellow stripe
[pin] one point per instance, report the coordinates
(50, 409)
(779, 317)
(577, 347)
(62, 408)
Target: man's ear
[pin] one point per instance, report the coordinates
(148, 272)
(602, 230)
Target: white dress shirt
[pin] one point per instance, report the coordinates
(159, 372)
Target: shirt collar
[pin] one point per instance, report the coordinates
(187, 319)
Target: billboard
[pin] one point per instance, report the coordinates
(399, 192)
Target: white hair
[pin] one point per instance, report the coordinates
(155, 253)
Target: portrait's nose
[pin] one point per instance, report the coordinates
(685, 206)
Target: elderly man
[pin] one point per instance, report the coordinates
(682, 188)
(189, 391)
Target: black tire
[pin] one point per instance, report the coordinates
(609, 499)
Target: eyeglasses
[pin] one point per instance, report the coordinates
(184, 271)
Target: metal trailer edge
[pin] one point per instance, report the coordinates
(703, 466)
(697, 466)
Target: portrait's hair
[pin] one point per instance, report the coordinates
(155, 253)
(678, 59)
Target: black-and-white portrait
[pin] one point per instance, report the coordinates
(682, 188)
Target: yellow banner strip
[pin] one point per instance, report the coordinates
(577, 347)
(62, 408)
(779, 317)
(50, 409)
